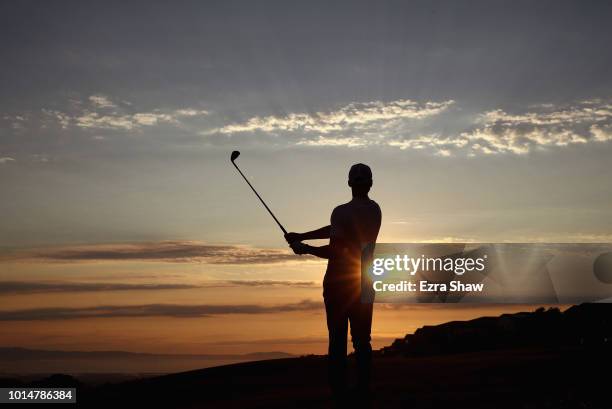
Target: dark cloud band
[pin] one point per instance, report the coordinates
(29, 287)
(168, 251)
(25, 287)
(153, 310)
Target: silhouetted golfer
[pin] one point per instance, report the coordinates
(353, 225)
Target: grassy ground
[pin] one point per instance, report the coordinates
(527, 378)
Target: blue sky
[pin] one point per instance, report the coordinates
(481, 120)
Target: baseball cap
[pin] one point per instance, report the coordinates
(360, 174)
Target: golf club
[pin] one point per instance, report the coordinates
(233, 158)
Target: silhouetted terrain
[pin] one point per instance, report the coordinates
(544, 359)
(583, 325)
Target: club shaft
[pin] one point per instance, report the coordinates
(260, 199)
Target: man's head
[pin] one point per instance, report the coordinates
(360, 179)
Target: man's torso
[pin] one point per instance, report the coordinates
(353, 225)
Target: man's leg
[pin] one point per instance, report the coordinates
(337, 327)
(360, 316)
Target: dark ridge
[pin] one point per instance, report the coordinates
(581, 325)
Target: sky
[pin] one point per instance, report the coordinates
(124, 225)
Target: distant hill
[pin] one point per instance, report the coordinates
(15, 353)
(27, 361)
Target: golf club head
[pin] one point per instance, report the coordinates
(235, 155)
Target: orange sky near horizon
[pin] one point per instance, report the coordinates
(222, 308)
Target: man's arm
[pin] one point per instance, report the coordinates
(301, 248)
(322, 233)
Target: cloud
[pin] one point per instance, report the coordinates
(101, 101)
(32, 287)
(602, 133)
(392, 124)
(518, 141)
(430, 127)
(6, 159)
(168, 251)
(352, 116)
(548, 126)
(190, 112)
(153, 310)
(549, 114)
(544, 126)
(127, 122)
(441, 146)
(209, 310)
(27, 287)
(428, 307)
(272, 283)
(16, 122)
(100, 112)
(340, 141)
(61, 118)
(94, 120)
